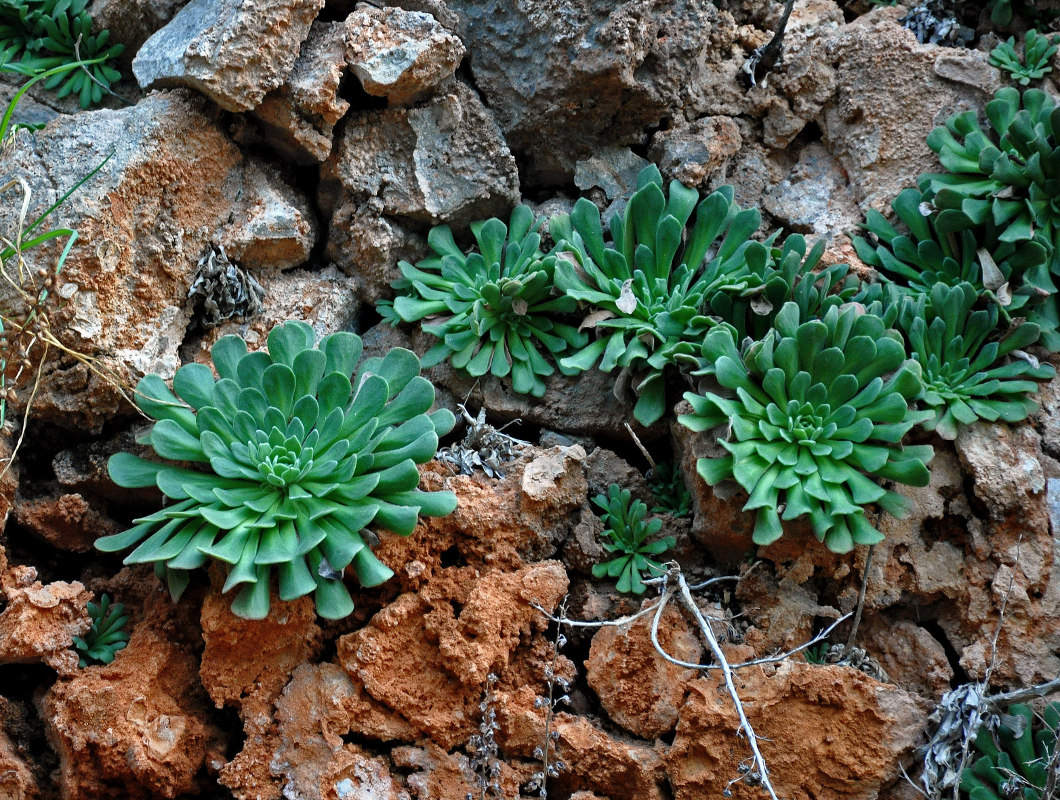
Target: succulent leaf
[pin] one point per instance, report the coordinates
(494, 312)
(296, 461)
(106, 636)
(816, 411)
(627, 532)
(653, 287)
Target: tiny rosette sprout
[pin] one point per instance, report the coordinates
(294, 455)
(816, 411)
(1038, 51)
(495, 311)
(947, 247)
(667, 484)
(106, 636)
(966, 374)
(648, 281)
(1013, 762)
(627, 532)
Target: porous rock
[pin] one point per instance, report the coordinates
(443, 161)
(367, 246)
(565, 80)
(298, 119)
(16, 778)
(322, 299)
(695, 152)
(425, 661)
(172, 184)
(136, 728)
(66, 521)
(815, 198)
(131, 22)
(1004, 463)
(439, 775)
(231, 51)
(827, 733)
(39, 621)
(637, 687)
(596, 761)
(246, 664)
(397, 54)
(880, 137)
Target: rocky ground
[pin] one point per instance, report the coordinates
(314, 144)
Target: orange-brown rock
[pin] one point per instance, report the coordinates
(16, 779)
(637, 687)
(246, 664)
(136, 728)
(828, 733)
(498, 524)
(594, 760)
(426, 655)
(65, 521)
(308, 755)
(39, 621)
(298, 119)
(170, 183)
(439, 775)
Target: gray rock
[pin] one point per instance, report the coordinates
(445, 161)
(233, 51)
(400, 55)
(131, 22)
(566, 79)
(172, 185)
(695, 152)
(875, 124)
(298, 119)
(815, 198)
(611, 169)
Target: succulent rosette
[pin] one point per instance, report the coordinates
(816, 413)
(278, 465)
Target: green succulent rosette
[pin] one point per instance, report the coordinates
(495, 311)
(39, 35)
(106, 636)
(1038, 51)
(816, 412)
(946, 247)
(778, 275)
(1008, 178)
(627, 533)
(278, 465)
(1013, 760)
(646, 283)
(968, 374)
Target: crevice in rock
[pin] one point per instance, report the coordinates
(932, 626)
(21, 721)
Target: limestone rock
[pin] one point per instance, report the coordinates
(131, 22)
(1004, 463)
(693, 153)
(880, 137)
(136, 728)
(596, 761)
(231, 51)
(397, 54)
(815, 198)
(172, 185)
(613, 170)
(246, 664)
(367, 246)
(639, 689)
(565, 80)
(39, 621)
(828, 733)
(444, 161)
(298, 119)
